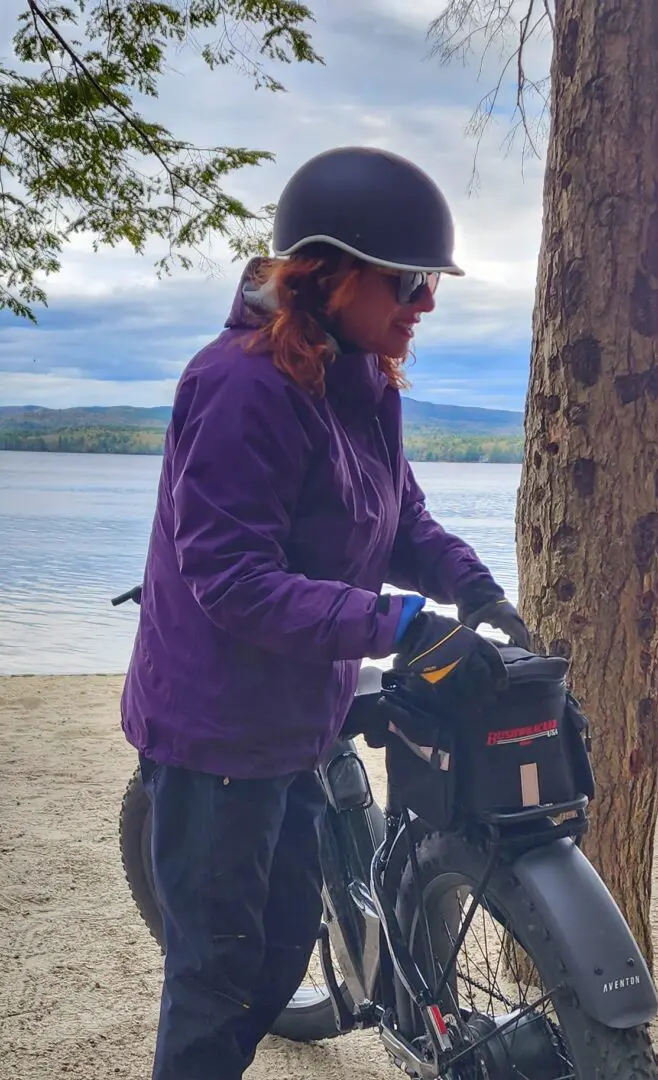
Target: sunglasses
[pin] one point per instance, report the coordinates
(410, 283)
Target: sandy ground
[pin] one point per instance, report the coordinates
(80, 976)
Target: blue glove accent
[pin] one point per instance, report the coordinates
(411, 605)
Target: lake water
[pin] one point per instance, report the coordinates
(74, 530)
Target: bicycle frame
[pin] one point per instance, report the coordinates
(358, 847)
(363, 857)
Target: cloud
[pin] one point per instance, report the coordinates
(114, 333)
(64, 391)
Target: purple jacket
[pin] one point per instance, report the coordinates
(279, 517)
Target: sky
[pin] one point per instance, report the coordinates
(113, 334)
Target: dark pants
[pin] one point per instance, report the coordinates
(237, 873)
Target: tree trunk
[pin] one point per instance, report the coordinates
(587, 519)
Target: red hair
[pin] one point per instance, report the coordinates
(312, 288)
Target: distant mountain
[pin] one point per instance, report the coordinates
(455, 419)
(460, 418)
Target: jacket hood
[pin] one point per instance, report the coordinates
(251, 303)
(353, 377)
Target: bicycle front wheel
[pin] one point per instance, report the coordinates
(507, 1001)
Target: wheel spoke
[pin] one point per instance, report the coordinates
(493, 978)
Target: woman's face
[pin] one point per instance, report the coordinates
(375, 319)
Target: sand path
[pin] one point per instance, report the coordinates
(80, 975)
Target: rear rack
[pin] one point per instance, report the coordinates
(533, 813)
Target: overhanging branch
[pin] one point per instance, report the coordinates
(464, 22)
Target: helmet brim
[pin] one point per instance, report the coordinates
(410, 264)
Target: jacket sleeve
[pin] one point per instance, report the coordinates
(430, 560)
(241, 453)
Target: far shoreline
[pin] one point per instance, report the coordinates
(158, 454)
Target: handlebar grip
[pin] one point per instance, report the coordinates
(133, 594)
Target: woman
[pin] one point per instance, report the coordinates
(285, 503)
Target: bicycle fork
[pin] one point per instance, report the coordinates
(424, 998)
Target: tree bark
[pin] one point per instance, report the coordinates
(587, 518)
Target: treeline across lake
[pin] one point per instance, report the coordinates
(96, 440)
(432, 432)
(421, 444)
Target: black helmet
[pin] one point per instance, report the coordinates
(370, 203)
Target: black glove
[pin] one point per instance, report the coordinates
(503, 616)
(442, 668)
(443, 651)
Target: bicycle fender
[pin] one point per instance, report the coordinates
(600, 959)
